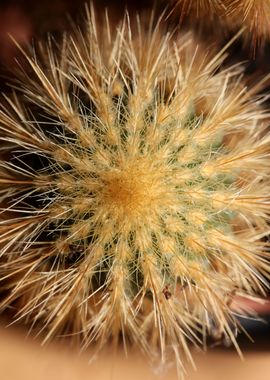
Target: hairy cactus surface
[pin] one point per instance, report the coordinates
(134, 183)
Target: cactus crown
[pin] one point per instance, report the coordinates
(135, 189)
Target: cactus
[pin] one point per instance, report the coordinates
(251, 15)
(134, 187)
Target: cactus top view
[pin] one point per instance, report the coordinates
(134, 184)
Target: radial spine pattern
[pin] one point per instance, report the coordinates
(134, 190)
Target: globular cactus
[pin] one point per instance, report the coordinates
(134, 190)
(230, 15)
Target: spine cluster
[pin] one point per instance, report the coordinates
(252, 16)
(134, 186)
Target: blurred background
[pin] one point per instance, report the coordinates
(21, 357)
